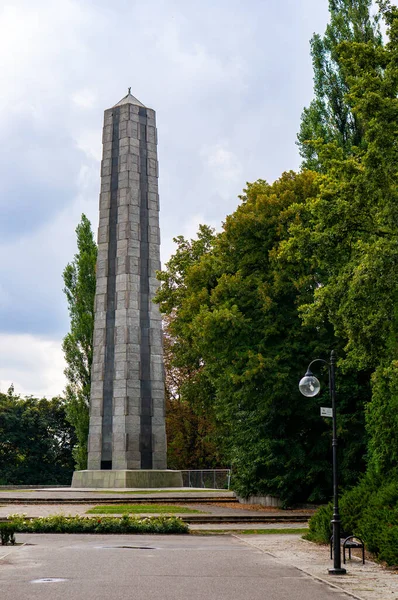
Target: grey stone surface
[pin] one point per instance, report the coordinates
(127, 429)
(262, 501)
(127, 478)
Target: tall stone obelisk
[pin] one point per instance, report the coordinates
(127, 438)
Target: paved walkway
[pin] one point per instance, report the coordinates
(365, 582)
(100, 567)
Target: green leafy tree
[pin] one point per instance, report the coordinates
(80, 280)
(349, 236)
(257, 348)
(36, 441)
(237, 306)
(330, 118)
(190, 422)
(348, 231)
(192, 440)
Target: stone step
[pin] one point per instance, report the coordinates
(125, 499)
(255, 518)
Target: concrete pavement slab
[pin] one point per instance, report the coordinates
(101, 567)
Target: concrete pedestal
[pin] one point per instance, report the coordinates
(127, 479)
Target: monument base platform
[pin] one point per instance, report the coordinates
(127, 479)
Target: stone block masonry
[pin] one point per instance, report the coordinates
(127, 424)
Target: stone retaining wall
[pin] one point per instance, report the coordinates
(262, 500)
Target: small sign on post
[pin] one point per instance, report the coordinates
(326, 412)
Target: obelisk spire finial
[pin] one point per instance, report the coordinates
(129, 91)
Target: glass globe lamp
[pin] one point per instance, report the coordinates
(309, 385)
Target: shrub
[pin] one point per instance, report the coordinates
(379, 523)
(370, 511)
(353, 504)
(77, 524)
(389, 549)
(319, 525)
(7, 534)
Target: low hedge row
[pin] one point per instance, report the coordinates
(77, 524)
(370, 511)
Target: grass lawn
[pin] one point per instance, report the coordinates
(137, 509)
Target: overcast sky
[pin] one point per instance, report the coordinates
(228, 80)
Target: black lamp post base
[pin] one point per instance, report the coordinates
(335, 571)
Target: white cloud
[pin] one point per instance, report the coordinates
(32, 364)
(84, 98)
(34, 38)
(191, 226)
(193, 60)
(224, 167)
(189, 230)
(89, 141)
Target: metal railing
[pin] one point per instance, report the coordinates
(216, 479)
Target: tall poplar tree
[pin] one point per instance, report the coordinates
(79, 280)
(350, 234)
(329, 117)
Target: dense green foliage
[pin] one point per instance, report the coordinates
(193, 440)
(330, 118)
(369, 511)
(320, 529)
(35, 441)
(350, 227)
(350, 237)
(355, 220)
(233, 309)
(190, 423)
(79, 280)
(77, 524)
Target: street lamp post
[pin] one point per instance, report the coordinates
(309, 386)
